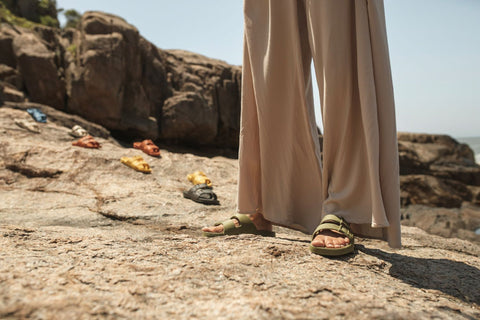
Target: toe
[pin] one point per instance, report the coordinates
(318, 241)
(329, 243)
(217, 229)
(330, 240)
(338, 242)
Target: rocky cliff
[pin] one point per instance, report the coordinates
(106, 72)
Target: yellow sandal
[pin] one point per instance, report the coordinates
(198, 177)
(136, 163)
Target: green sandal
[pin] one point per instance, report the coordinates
(246, 226)
(333, 223)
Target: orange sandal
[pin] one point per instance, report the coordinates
(87, 142)
(148, 147)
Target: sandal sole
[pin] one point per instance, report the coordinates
(322, 251)
(218, 234)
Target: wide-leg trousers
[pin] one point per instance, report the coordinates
(281, 171)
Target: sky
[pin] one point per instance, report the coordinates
(434, 50)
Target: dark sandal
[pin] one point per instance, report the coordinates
(201, 193)
(339, 225)
(245, 226)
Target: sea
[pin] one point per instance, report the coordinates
(474, 143)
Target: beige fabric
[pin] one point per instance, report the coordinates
(281, 174)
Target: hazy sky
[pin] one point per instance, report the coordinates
(434, 50)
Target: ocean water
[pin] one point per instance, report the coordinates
(474, 143)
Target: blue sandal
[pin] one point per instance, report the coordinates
(37, 115)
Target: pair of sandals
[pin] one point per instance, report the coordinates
(202, 191)
(329, 222)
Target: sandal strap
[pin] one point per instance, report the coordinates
(229, 227)
(206, 194)
(334, 223)
(242, 218)
(204, 189)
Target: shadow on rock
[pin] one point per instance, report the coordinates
(454, 278)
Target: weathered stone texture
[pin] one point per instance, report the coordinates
(39, 71)
(84, 236)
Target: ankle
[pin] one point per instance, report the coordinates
(260, 222)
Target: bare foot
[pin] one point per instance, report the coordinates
(257, 219)
(330, 239)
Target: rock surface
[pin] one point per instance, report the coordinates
(437, 171)
(37, 65)
(450, 223)
(84, 236)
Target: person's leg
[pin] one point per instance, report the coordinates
(360, 161)
(249, 154)
(279, 155)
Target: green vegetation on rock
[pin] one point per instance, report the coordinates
(72, 49)
(28, 13)
(8, 17)
(73, 18)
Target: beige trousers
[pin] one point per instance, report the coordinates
(281, 171)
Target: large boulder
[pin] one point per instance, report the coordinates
(433, 191)
(11, 94)
(11, 76)
(187, 117)
(154, 77)
(210, 90)
(7, 34)
(458, 222)
(105, 78)
(39, 71)
(421, 153)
